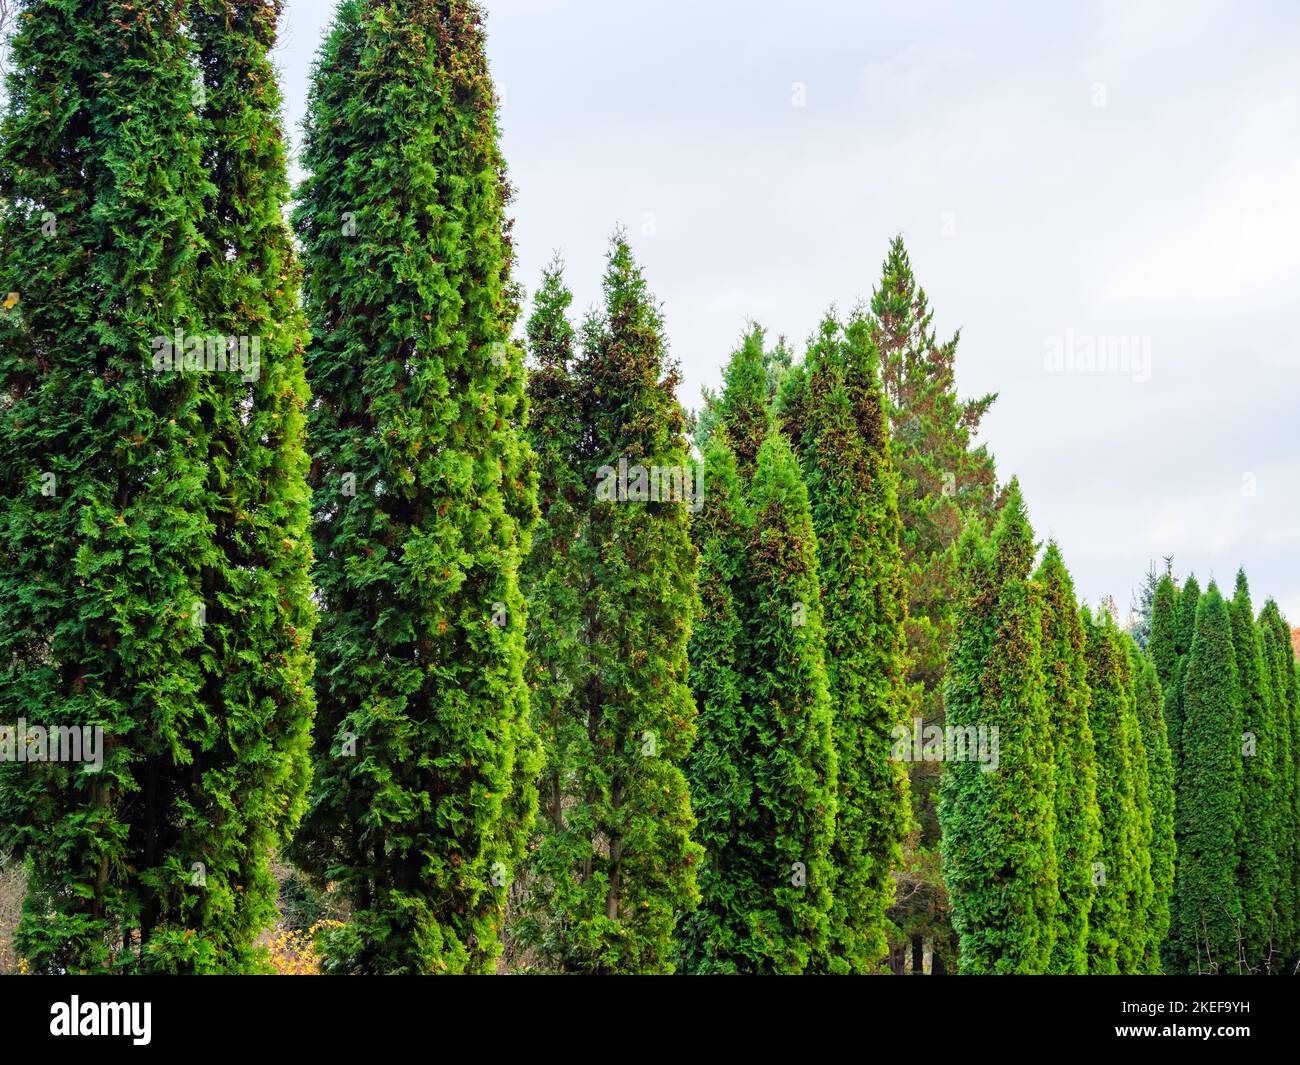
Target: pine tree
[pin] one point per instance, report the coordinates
(1078, 819)
(1115, 928)
(423, 490)
(999, 827)
(1262, 833)
(835, 413)
(1209, 801)
(111, 514)
(635, 862)
(1155, 741)
(766, 897)
(555, 582)
(944, 480)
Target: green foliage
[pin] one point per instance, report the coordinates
(1155, 741)
(1210, 793)
(424, 495)
(1078, 819)
(620, 861)
(837, 419)
(999, 826)
(155, 585)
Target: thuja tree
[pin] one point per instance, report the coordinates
(627, 826)
(1283, 690)
(1116, 932)
(1078, 819)
(720, 768)
(423, 493)
(252, 749)
(555, 582)
(766, 896)
(1209, 800)
(1163, 650)
(107, 539)
(1263, 829)
(836, 415)
(1155, 742)
(999, 826)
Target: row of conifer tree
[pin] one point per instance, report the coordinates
(366, 604)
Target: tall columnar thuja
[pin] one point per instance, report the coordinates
(762, 770)
(109, 511)
(1284, 692)
(1155, 742)
(1162, 648)
(1263, 830)
(1210, 792)
(252, 749)
(716, 938)
(628, 823)
(1116, 935)
(555, 582)
(837, 418)
(999, 826)
(1078, 819)
(424, 494)
(1184, 630)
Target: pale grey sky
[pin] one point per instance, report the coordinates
(1063, 176)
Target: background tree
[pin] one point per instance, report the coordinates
(423, 493)
(1116, 928)
(555, 579)
(999, 827)
(1209, 801)
(835, 412)
(1078, 819)
(627, 830)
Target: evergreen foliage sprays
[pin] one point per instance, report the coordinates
(999, 849)
(130, 601)
(835, 412)
(423, 493)
(622, 862)
(1078, 819)
(1209, 800)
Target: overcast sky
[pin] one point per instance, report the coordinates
(1063, 176)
